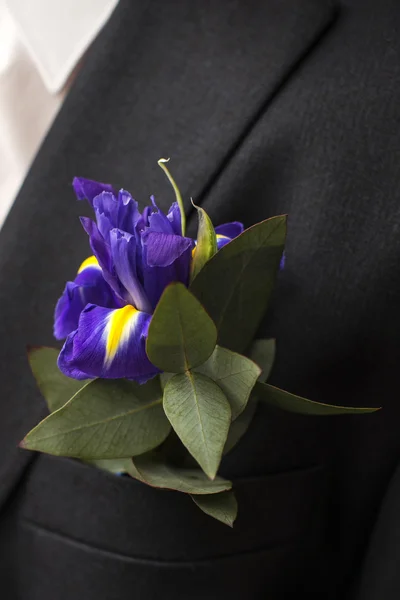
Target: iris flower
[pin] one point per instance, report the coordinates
(105, 313)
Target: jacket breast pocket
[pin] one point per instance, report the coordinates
(76, 532)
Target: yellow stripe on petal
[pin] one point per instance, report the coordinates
(221, 237)
(118, 330)
(89, 262)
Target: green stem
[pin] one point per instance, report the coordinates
(179, 200)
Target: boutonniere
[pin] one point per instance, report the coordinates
(160, 372)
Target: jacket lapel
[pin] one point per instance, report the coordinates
(179, 79)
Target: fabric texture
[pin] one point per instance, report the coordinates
(265, 108)
(380, 573)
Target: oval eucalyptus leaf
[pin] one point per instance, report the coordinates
(105, 419)
(55, 387)
(236, 284)
(151, 468)
(181, 334)
(164, 378)
(281, 399)
(241, 425)
(235, 374)
(262, 352)
(206, 245)
(222, 507)
(200, 414)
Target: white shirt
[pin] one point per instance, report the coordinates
(41, 43)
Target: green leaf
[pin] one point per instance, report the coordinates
(236, 284)
(56, 388)
(222, 507)
(200, 415)
(281, 399)
(164, 378)
(153, 470)
(241, 425)
(206, 242)
(262, 352)
(105, 419)
(236, 375)
(181, 334)
(112, 465)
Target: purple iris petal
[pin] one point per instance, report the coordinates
(128, 212)
(102, 251)
(68, 311)
(123, 251)
(105, 208)
(162, 250)
(166, 258)
(158, 221)
(97, 243)
(227, 232)
(230, 230)
(174, 217)
(87, 189)
(109, 344)
(222, 240)
(143, 220)
(111, 212)
(152, 220)
(65, 359)
(146, 214)
(89, 287)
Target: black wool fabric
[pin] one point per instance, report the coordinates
(265, 107)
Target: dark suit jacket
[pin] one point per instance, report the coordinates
(265, 107)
